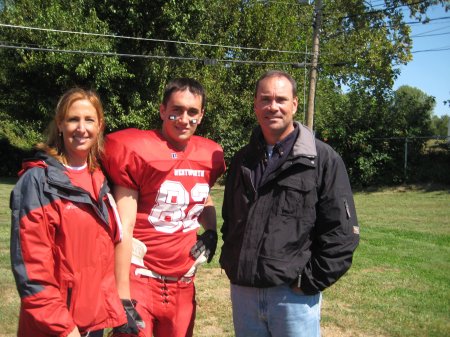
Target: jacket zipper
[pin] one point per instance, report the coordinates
(347, 209)
(69, 297)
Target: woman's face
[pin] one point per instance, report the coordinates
(80, 129)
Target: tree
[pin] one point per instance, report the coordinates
(31, 81)
(210, 34)
(412, 109)
(370, 131)
(226, 44)
(439, 125)
(353, 125)
(447, 101)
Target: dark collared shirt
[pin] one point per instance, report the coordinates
(280, 152)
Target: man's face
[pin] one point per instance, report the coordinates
(181, 116)
(275, 106)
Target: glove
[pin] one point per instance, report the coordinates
(135, 322)
(200, 260)
(207, 242)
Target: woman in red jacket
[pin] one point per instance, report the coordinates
(64, 229)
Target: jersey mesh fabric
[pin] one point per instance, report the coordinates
(173, 186)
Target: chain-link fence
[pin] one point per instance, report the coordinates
(420, 159)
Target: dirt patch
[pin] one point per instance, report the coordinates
(214, 318)
(334, 331)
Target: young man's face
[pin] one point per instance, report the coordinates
(275, 106)
(181, 116)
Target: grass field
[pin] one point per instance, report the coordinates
(399, 284)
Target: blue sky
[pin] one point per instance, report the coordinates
(429, 71)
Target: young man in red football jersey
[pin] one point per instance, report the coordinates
(162, 180)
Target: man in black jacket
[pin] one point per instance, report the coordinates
(290, 226)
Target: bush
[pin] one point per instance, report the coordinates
(17, 139)
(11, 158)
(433, 166)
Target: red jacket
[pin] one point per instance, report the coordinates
(62, 252)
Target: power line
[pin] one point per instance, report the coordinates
(430, 22)
(429, 31)
(382, 10)
(205, 60)
(149, 39)
(286, 3)
(428, 35)
(434, 19)
(431, 50)
(179, 42)
(373, 5)
(180, 58)
(346, 63)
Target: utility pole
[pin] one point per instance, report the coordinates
(315, 60)
(448, 131)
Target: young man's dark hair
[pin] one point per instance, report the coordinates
(181, 84)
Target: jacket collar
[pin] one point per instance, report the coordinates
(304, 146)
(54, 169)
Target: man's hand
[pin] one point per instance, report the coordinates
(134, 323)
(207, 242)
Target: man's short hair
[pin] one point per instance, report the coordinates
(181, 84)
(278, 73)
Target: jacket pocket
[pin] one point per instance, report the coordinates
(348, 220)
(69, 297)
(67, 292)
(296, 197)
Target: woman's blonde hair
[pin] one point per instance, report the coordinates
(54, 146)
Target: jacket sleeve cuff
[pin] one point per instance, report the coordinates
(307, 287)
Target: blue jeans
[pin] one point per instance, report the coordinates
(275, 312)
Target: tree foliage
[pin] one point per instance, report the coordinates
(128, 51)
(32, 81)
(412, 109)
(370, 132)
(440, 125)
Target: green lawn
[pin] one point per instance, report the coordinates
(399, 284)
(9, 300)
(400, 281)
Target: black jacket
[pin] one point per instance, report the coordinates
(299, 226)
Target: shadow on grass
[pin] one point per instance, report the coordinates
(8, 180)
(426, 187)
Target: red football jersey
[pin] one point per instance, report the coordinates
(173, 187)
